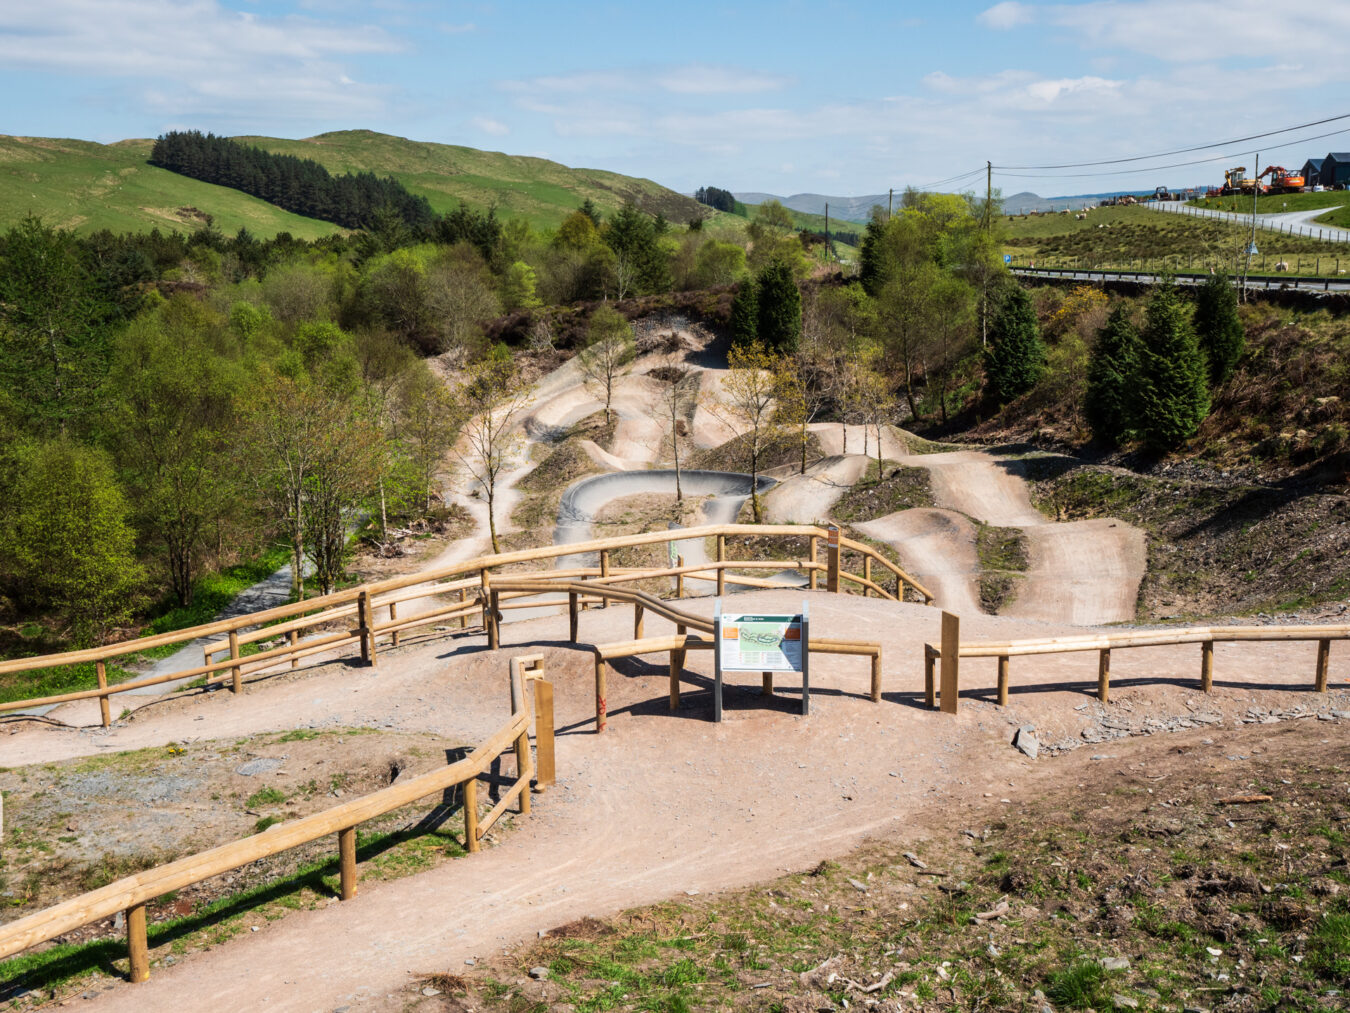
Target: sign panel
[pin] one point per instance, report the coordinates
(760, 643)
(1007, 258)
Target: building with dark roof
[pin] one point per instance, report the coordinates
(1335, 169)
(1312, 171)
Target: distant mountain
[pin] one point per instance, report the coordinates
(859, 209)
(849, 209)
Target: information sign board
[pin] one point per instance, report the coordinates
(756, 642)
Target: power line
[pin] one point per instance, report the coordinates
(950, 179)
(1185, 151)
(1153, 168)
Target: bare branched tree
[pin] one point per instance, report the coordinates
(609, 351)
(493, 396)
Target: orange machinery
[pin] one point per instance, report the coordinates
(1282, 180)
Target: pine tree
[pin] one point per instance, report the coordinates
(1113, 376)
(745, 314)
(780, 309)
(1173, 396)
(1015, 356)
(1217, 327)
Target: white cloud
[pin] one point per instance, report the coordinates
(490, 126)
(1048, 91)
(700, 79)
(199, 56)
(1006, 15)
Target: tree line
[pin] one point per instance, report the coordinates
(299, 185)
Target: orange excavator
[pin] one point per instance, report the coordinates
(1282, 180)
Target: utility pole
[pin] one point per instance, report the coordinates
(890, 196)
(1256, 189)
(988, 195)
(827, 232)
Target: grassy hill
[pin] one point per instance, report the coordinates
(85, 186)
(541, 191)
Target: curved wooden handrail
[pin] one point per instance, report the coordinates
(361, 602)
(134, 891)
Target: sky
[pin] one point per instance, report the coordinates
(825, 97)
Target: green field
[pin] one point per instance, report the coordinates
(1137, 238)
(541, 191)
(1273, 204)
(85, 186)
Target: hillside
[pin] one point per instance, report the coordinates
(85, 186)
(851, 209)
(519, 186)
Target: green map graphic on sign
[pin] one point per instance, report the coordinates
(761, 643)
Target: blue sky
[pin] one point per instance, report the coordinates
(844, 98)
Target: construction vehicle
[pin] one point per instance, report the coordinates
(1282, 180)
(1162, 193)
(1237, 181)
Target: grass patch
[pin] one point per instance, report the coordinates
(1002, 554)
(884, 491)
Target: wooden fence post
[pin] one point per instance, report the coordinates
(366, 610)
(347, 862)
(601, 704)
(1207, 665)
(471, 814)
(294, 638)
(572, 616)
(679, 578)
(1323, 662)
(811, 573)
(495, 619)
(545, 764)
(929, 682)
(766, 684)
(236, 673)
(876, 677)
(637, 620)
(832, 561)
(676, 667)
(604, 572)
(102, 672)
(867, 575)
(721, 559)
(1003, 680)
(138, 947)
(951, 651)
(393, 617)
(1104, 675)
(463, 616)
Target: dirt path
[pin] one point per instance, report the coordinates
(938, 547)
(662, 804)
(807, 498)
(1083, 572)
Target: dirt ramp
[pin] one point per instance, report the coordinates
(979, 485)
(1083, 572)
(832, 440)
(938, 548)
(807, 498)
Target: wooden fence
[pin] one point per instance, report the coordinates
(370, 613)
(951, 649)
(131, 894)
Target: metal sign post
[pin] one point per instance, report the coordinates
(748, 642)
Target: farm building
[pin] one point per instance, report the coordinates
(1335, 169)
(1312, 171)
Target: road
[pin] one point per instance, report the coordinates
(1261, 283)
(1293, 223)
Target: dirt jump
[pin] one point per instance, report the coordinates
(664, 803)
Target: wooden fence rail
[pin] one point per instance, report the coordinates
(471, 581)
(952, 650)
(132, 893)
